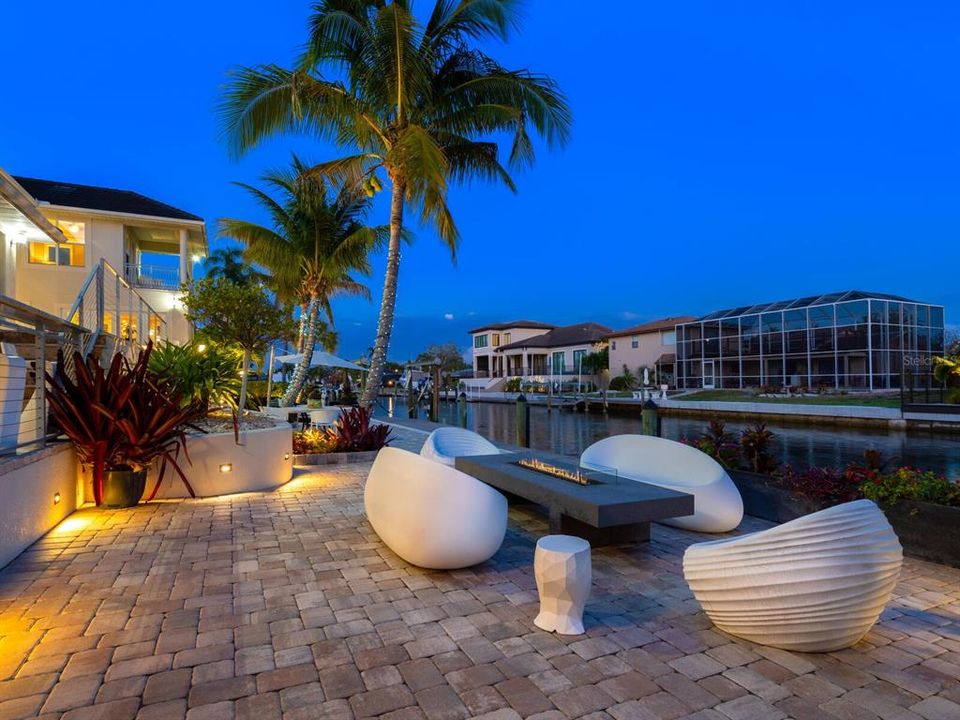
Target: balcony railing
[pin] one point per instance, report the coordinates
(160, 277)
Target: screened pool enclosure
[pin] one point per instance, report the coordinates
(846, 340)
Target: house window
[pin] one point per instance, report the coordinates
(613, 344)
(578, 356)
(506, 338)
(70, 253)
(480, 341)
(634, 342)
(495, 340)
(668, 337)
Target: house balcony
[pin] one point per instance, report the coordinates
(155, 277)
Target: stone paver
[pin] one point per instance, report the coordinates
(286, 604)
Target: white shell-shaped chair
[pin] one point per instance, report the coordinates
(717, 504)
(431, 515)
(446, 444)
(815, 584)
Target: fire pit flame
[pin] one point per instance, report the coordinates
(558, 472)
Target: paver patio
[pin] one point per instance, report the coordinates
(286, 604)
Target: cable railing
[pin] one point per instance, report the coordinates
(159, 277)
(117, 317)
(29, 340)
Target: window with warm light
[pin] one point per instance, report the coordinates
(495, 339)
(70, 254)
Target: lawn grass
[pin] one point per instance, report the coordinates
(858, 399)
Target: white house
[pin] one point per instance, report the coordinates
(77, 231)
(536, 352)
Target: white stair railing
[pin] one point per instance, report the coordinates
(110, 308)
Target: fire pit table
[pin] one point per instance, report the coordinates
(601, 508)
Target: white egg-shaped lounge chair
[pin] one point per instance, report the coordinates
(717, 504)
(446, 444)
(431, 515)
(815, 584)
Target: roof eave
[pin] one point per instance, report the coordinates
(14, 193)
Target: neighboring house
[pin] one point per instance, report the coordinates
(553, 355)
(486, 341)
(651, 345)
(150, 245)
(843, 340)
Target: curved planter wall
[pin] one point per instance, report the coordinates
(930, 532)
(264, 461)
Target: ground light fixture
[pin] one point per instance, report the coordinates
(226, 467)
(56, 498)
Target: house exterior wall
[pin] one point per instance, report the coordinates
(488, 349)
(649, 347)
(54, 288)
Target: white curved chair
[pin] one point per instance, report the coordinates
(815, 584)
(431, 515)
(718, 506)
(446, 444)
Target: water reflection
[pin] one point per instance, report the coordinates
(569, 433)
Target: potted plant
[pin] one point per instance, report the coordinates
(120, 421)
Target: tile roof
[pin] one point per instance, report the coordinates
(90, 197)
(667, 323)
(531, 324)
(580, 334)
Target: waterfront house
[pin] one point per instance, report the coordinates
(850, 340)
(80, 232)
(651, 345)
(535, 352)
(488, 364)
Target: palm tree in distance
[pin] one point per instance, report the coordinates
(418, 102)
(314, 245)
(228, 263)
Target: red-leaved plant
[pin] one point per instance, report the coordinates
(126, 416)
(354, 432)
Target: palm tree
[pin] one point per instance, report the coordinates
(315, 241)
(419, 103)
(228, 263)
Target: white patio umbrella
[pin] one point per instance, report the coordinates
(320, 358)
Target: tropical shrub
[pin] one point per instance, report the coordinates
(355, 433)
(123, 417)
(827, 486)
(755, 442)
(314, 441)
(257, 392)
(908, 483)
(204, 373)
(719, 444)
(512, 385)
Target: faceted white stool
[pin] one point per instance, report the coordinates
(562, 568)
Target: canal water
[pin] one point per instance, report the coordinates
(801, 446)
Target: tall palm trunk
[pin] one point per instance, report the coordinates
(302, 334)
(309, 341)
(389, 301)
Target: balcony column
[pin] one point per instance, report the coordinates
(524, 364)
(184, 258)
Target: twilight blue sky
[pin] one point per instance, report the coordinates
(723, 153)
